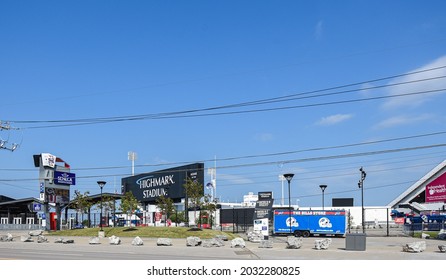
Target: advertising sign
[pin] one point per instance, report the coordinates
(264, 205)
(64, 178)
(37, 207)
(148, 187)
(319, 222)
(48, 160)
(261, 225)
(55, 195)
(265, 195)
(436, 190)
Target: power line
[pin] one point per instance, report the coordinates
(304, 95)
(258, 155)
(321, 158)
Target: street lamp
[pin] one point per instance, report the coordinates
(361, 186)
(101, 185)
(289, 177)
(323, 187)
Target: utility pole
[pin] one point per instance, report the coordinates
(4, 143)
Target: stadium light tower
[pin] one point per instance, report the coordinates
(132, 156)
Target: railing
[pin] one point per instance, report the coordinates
(410, 229)
(19, 226)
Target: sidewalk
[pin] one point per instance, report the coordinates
(377, 248)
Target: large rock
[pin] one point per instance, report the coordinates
(266, 244)
(255, 236)
(137, 241)
(425, 236)
(213, 242)
(222, 237)
(35, 232)
(94, 241)
(294, 242)
(238, 242)
(6, 238)
(58, 240)
(64, 241)
(322, 244)
(114, 240)
(164, 242)
(415, 247)
(442, 234)
(42, 239)
(442, 248)
(193, 241)
(26, 239)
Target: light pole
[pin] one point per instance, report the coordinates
(101, 185)
(289, 177)
(323, 187)
(132, 156)
(361, 186)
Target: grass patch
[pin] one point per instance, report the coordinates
(433, 234)
(150, 232)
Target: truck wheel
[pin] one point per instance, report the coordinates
(306, 233)
(297, 233)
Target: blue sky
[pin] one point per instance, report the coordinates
(76, 60)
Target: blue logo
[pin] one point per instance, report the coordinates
(64, 178)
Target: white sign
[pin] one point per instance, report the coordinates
(48, 160)
(261, 225)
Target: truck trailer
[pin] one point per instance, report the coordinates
(309, 222)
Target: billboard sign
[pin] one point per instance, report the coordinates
(48, 160)
(56, 195)
(148, 187)
(64, 178)
(436, 190)
(265, 195)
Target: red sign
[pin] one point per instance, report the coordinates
(436, 190)
(158, 216)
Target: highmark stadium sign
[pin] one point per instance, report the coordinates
(148, 187)
(153, 186)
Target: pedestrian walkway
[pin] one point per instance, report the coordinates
(377, 248)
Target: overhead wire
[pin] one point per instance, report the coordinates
(287, 98)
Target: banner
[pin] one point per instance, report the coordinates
(436, 190)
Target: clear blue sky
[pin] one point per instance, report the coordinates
(73, 60)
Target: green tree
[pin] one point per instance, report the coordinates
(81, 203)
(129, 204)
(165, 204)
(194, 193)
(211, 207)
(108, 204)
(178, 217)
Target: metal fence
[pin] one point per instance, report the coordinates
(411, 229)
(20, 226)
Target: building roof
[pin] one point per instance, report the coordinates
(18, 205)
(416, 192)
